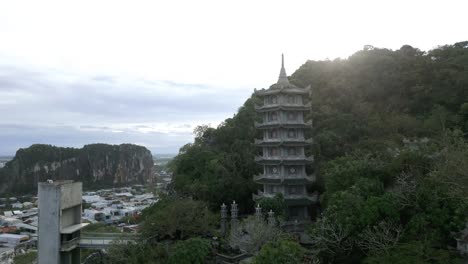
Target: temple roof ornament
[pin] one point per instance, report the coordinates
(283, 78)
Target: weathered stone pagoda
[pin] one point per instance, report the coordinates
(283, 111)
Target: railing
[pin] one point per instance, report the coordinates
(281, 140)
(312, 197)
(287, 158)
(266, 106)
(109, 235)
(282, 123)
(95, 243)
(310, 178)
(104, 240)
(70, 244)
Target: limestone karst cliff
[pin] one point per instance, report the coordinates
(96, 165)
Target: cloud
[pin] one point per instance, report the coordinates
(53, 107)
(13, 137)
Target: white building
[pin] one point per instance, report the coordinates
(13, 239)
(17, 205)
(92, 198)
(94, 215)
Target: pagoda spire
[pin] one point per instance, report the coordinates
(283, 78)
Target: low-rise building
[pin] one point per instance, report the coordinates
(17, 205)
(92, 198)
(94, 215)
(9, 221)
(12, 239)
(27, 205)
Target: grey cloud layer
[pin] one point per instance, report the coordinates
(64, 109)
(13, 137)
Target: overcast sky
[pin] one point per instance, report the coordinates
(148, 72)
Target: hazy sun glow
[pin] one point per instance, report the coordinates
(171, 65)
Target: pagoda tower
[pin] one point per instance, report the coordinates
(283, 112)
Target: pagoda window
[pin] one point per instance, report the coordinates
(274, 170)
(273, 116)
(292, 170)
(291, 99)
(274, 152)
(292, 151)
(273, 99)
(292, 133)
(292, 116)
(294, 189)
(273, 133)
(295, 212)
(276, 188)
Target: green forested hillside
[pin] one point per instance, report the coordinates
(377, 97)
(218, 167)
(390, 144)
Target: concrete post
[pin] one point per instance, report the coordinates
(258, 212)
(271, 218)
(234, 212)
(223, 219)
(59, 222)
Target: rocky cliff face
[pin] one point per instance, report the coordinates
(96, 165)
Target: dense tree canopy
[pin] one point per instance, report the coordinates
(282, 251)
(218, 167)
(170, 232)
(369, 102)
(390, 131)
(177, 219)
(190, 251)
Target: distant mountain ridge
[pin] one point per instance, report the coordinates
(96, 165)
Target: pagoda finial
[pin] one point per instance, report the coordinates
(283, 78)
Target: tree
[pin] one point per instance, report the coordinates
(252, 234)
(136, 253)
(101, 228)
(389, 167)
(190, 251)
(451, 171)
(177, 219)
(330, 239)
(414, 252)
(380, 239)
(283, 251)
(275, 204)
(218, 167)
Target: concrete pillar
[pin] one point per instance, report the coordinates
(223, 219)
(59, 222)
(234, 212)
(258, 212)
(271, 218)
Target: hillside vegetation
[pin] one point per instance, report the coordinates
(390, 132)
